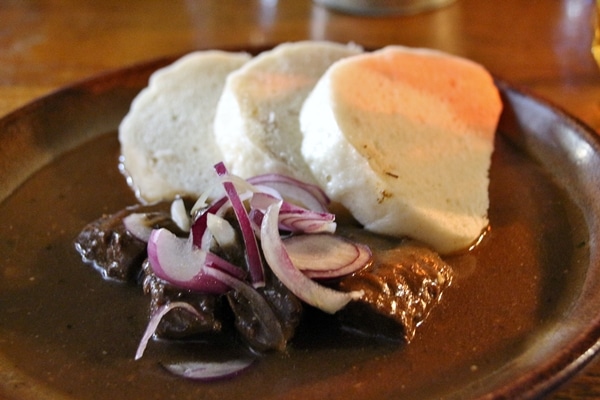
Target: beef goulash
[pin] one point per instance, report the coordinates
(401, 138)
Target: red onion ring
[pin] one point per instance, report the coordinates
(209, 371)
(312, 293)
(295, 191)
(179, 262)
(324, 256)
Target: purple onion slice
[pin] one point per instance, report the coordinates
(209, 371)
(323, 256)
(304, 194)
(177, 261)
(309, 291)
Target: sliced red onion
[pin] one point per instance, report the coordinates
(178, 262)
(209, 371)
(255, 266)
(262, 201)
(241, 185)
(326, 256)
(221, 230)
(136, 224)
(256, 217)
(155, 319)
(179, 215)
(199, 226)
(207, 237)
(295, 191)
(213, 260)
(267, 190)
(212, 192)
(324, 298)
(293, 218)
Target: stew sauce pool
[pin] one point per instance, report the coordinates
(66, 331)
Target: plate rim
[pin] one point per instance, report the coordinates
(538, 382)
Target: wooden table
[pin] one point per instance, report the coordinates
(542, 45)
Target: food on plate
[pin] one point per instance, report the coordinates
(407, 151)
(399, 291)
(200, 283)
(256, 123)
(167, 140)
(244, 249)
(112, 249)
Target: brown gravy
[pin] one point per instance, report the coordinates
(72, 332)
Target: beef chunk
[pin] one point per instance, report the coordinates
(400, 289)
(286, 306)
(107, 245)
(265, 318)
(180, 323)
(286, 310)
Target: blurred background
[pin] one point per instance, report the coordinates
(542, 44)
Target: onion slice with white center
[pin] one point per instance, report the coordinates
(323, 256)
(209, 371)
(179, 214)
(221, 230)
(199, 226)
(293, 218)
(137, 225)
(179, 262)
(312, 293)
(296, 219)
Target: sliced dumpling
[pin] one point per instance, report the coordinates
(403, 139)
(167, 140)
(256, 125)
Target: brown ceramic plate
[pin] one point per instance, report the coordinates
(520, 319)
